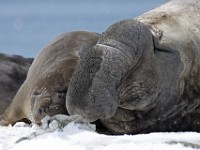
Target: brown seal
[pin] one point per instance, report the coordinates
(43, 92)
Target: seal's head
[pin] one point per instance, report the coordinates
(48, 97)
(92, 91)
(47, 103)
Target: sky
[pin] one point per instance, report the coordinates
(26, 26)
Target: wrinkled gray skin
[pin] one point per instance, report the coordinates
(44, 90)
(143, 74)
(13, 71)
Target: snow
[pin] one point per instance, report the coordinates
(80, 136)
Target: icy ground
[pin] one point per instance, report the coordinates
(80, 136)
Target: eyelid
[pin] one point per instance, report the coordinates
(36, 93)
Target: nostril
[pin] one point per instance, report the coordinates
(40, 111)
(45, 110)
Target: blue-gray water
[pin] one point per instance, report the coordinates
(26, 26)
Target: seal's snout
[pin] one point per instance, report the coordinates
(93, 105)
(75, 108)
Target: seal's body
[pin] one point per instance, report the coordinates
(143, 74)
(13, 71)
(43, 92)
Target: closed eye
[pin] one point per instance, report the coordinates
(36, 93)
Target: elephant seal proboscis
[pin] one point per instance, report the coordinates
(143, 75)
(43, 92)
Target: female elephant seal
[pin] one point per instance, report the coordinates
(143, 75)
(43, 92)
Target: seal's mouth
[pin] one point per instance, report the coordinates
(90, 115)
(47, 110)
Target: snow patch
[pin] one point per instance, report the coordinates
(77, 134)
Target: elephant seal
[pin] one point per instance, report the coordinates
(143, 75)
(13, 71)
(43, 92)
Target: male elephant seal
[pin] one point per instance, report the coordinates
(43, 92)
(13, 71)
(143, 75)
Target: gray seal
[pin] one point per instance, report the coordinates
(13, 71)
(143, 75)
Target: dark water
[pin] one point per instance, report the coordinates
(26, 26)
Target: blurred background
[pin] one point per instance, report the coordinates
(26, 26)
